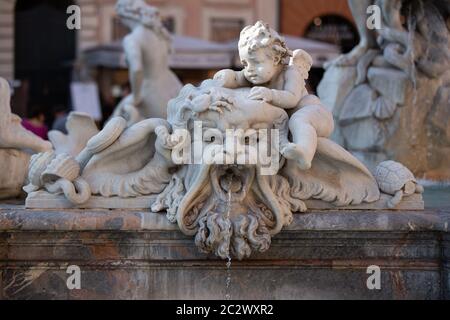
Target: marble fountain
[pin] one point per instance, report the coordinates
(232, 189)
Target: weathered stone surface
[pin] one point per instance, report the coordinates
(370, 158)
(365, 134)
(14, 168)
(335, 87)
(140, 255)
(391, 84)
(43, 200)
(410, 78)
(333, 90)
(440, 113)
(358, 105)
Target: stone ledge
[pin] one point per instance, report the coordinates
(16, 217)
(44, 200)
(140, 255)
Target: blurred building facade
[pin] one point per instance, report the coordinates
(322, 20)
(38, 49)
(218, 20)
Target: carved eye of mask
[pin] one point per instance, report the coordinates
(213, 135)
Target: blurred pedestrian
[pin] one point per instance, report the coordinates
(60, 114)
(35, 122)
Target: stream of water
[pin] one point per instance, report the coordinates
(228, 264)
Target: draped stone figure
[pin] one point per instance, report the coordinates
(147, 49)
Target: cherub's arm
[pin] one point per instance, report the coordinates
(231, 79)
(293, 91)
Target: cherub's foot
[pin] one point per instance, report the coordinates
(294, 152)
(351, 58)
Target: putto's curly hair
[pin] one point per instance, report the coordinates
(260, 36)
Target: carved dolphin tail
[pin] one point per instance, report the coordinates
(106, 174)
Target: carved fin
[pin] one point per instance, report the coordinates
(336, 177)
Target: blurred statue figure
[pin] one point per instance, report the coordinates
(147, 49)
(389, 95)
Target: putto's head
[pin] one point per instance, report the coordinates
(262, 50)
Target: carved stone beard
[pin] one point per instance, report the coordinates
(232, 210)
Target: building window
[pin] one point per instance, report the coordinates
(225, 29)
(333, 29)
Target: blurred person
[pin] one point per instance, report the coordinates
(60, 114)
(35, 122)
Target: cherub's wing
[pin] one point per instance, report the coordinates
(302, 61)
(335, 177)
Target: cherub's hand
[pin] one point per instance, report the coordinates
(220, 100)
(261, 93)
(225, 78)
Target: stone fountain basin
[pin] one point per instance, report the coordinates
(136, 254)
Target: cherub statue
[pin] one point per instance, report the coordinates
(278, 76)
(153, 84)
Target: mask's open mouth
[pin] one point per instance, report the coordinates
(234, 179)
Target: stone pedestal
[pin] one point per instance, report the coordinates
(139, 255)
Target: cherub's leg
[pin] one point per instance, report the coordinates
(306, 125)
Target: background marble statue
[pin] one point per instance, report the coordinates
(388, 95)
(147, 49)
